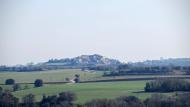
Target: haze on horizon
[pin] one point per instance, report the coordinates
(128, 30)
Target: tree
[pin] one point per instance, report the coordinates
(38, 83)
(10, 82)
(77, 78)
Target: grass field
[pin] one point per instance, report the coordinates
(84, 91)
(47, 76)
(89, 91)
(60, 75)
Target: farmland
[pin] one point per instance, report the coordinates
(60, 76)
(47, 76)
(84, 91)
(88, 91)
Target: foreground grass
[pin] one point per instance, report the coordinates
(47, 76)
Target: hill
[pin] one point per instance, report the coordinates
(100, 63)
(84, 61)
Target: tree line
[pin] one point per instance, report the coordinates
(67, 99)
(122, 69)
(127, 69)
(167, 85)
(17, 86)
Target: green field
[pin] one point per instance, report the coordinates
(47, 76)
(84, 91)
(60, 75)
(87, 91)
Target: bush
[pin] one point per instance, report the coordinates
(10, 82)
(38, 83)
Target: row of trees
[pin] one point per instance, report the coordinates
(156, 100)
(66, 99)
(167, 85)
(16, 86)
(37, 82)
(22, 68)
(126, 69)
(125, 101)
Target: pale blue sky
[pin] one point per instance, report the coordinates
(128, 30)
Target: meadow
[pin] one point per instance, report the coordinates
(84, 91)
(61, 74)
(88, 91)
(48, 76)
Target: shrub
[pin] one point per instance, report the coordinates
(38, 83)
(10, 82)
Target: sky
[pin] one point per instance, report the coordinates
(127, 30)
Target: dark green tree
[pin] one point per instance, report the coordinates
(77, 78)
(38, 83)
(10, 82)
